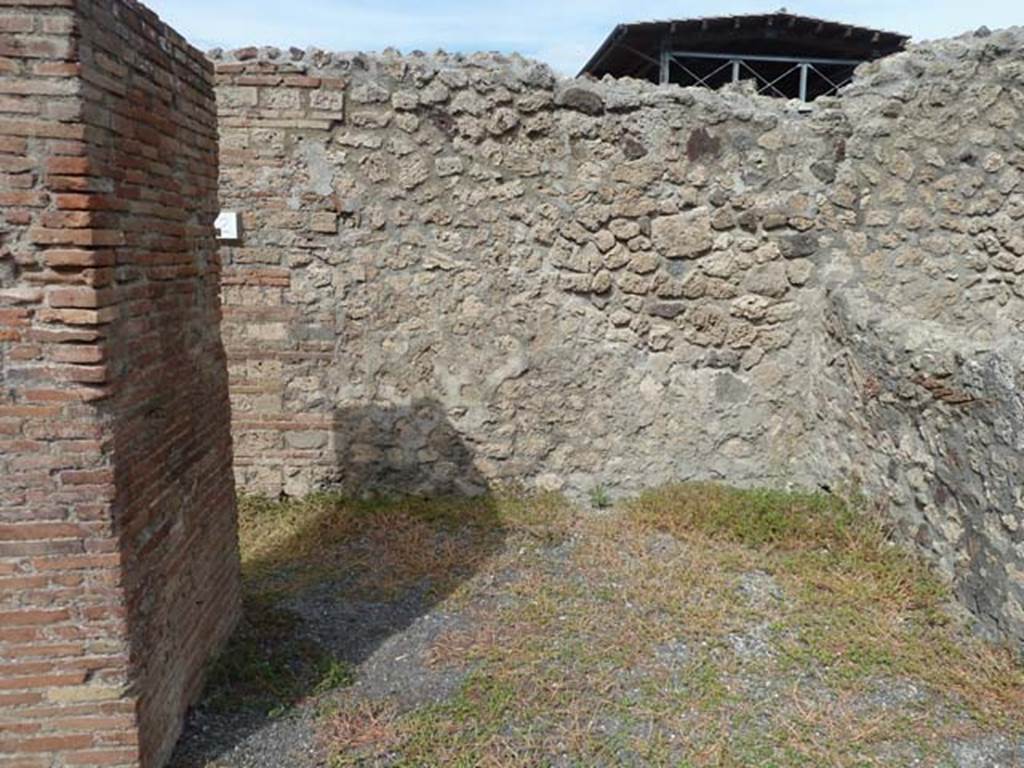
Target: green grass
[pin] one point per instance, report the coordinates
(600, 498)
(568, 664)
(862, 606)
(369, 549)
(382, 546)
(758, 518)
(269, 665)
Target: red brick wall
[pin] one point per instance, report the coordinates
(118, 557)
(266, 110)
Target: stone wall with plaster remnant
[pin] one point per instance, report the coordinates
(617, 284)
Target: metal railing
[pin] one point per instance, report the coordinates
(814, 76)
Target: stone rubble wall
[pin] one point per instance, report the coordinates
(118, 552)
(923, 313)
(457, 271)
(593, 284)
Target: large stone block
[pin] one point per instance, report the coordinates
(683, 236)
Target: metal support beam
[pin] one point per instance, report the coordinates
(755, 57)
(803, 78)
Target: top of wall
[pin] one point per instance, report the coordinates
(881, 77)
(135, 16)
(955, 101)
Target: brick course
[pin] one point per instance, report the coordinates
(118, 557)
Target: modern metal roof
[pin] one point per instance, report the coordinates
(632, 49)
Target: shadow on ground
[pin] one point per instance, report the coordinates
(331, 578)
(694, 625)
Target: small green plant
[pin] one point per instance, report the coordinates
(600, 498)
(269, 665)
(334, 673)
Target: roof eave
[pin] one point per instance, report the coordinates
(896, 39)
(603, 50)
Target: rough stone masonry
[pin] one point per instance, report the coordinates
(118, 549)
(581, 284)
(456, 272)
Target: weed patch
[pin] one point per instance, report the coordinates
(696, 625)
(270, 666)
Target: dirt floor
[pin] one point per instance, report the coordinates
(694, 626)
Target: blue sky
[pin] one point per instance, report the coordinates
(561, 32)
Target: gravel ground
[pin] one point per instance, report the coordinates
(386, 642)
(388, 645)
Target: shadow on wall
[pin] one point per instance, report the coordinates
(347, 579)
(407, 450)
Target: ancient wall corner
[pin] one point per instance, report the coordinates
(118, 552)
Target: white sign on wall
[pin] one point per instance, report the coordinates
(227, 225)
